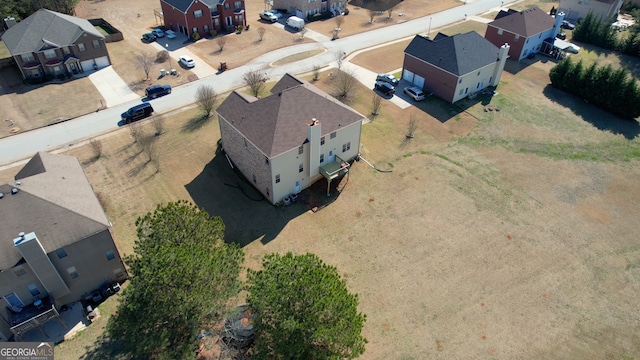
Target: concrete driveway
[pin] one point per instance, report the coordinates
(111, 86)
(178, 47)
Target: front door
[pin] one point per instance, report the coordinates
(229, 21)
(13, 300)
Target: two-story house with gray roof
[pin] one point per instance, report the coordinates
(290, 139)
(453, 67)
(575, 10)
(525, 31)
(55, 243)
(306, 8)
(50, 45)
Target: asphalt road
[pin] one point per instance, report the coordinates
(24, 145)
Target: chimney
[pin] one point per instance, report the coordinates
(503, 54)
(556, 26)
(9, 22)
(314, 131)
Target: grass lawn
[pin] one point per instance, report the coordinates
(496, 235)
(4, 52)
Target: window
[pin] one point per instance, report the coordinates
(301, 150)
(516, 38)
(333, 135)
(216, 22)
(33, 289)
(118, 273)
(460, 81)
(466, 90)
(461, 92)
(50, 54)
(110, 255)
(346, 147)
(322, 141)
(277, 178)
(197, 14)
(227, 6)
(239, 18)
(27, 57)
(301, 168)
(321, 158)
(206, 29)
(73, 273)
(266, 160)
(254, 179)
(62, 253)
(19, 270)
(267, 191)
(237, 5)
(81, 47)
(194, 30)
(499, 31)
(478, 73)
(96, 44)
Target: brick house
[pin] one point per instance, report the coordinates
(305, 8)
(50, 45)
(524, 31)
(56, 243)
(202, 16)
(577, 9)
(290, 139)
(453, 67)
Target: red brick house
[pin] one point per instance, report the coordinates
(202, 16)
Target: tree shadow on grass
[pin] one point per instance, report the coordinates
(105, 349)
(601, 119)
(194, 124)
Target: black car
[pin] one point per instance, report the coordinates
(154, 91)
(385, 88)
(148, 37)
(136, 113)
(562, 36)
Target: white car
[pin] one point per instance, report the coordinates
(187, 61)
(268, 16)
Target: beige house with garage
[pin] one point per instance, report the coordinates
(287, 141)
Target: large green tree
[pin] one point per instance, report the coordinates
(21, 9)
(183, 275)
(303, 310)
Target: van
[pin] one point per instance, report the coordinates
(295, 22)
(137, 112)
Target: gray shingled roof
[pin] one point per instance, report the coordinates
(182, 5)
(55, 200)
(46, 29)
(525, 23)
(278, 123)
(459, 54)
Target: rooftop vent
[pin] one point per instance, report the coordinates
(14, 191)
(1, 195)
(18, 183)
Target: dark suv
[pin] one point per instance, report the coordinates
(137, 112)
(385, 88)
(154, 91)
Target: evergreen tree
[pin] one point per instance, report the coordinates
(304, 310)
(558, 73)
(183, 275)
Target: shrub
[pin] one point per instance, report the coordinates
(213, 32)
(162, 56)
(195, 36)
(239, 29)
(319, 16)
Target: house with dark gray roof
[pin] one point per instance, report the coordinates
(49, 45)
(525, 31)
(202, 16)
(290, 139)
(55, 243)
(453, 67)
(575, 10)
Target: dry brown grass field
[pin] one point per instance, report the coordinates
(507, 234)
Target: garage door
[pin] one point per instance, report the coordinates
(407, 76)
(418, 81)
(102, 62)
